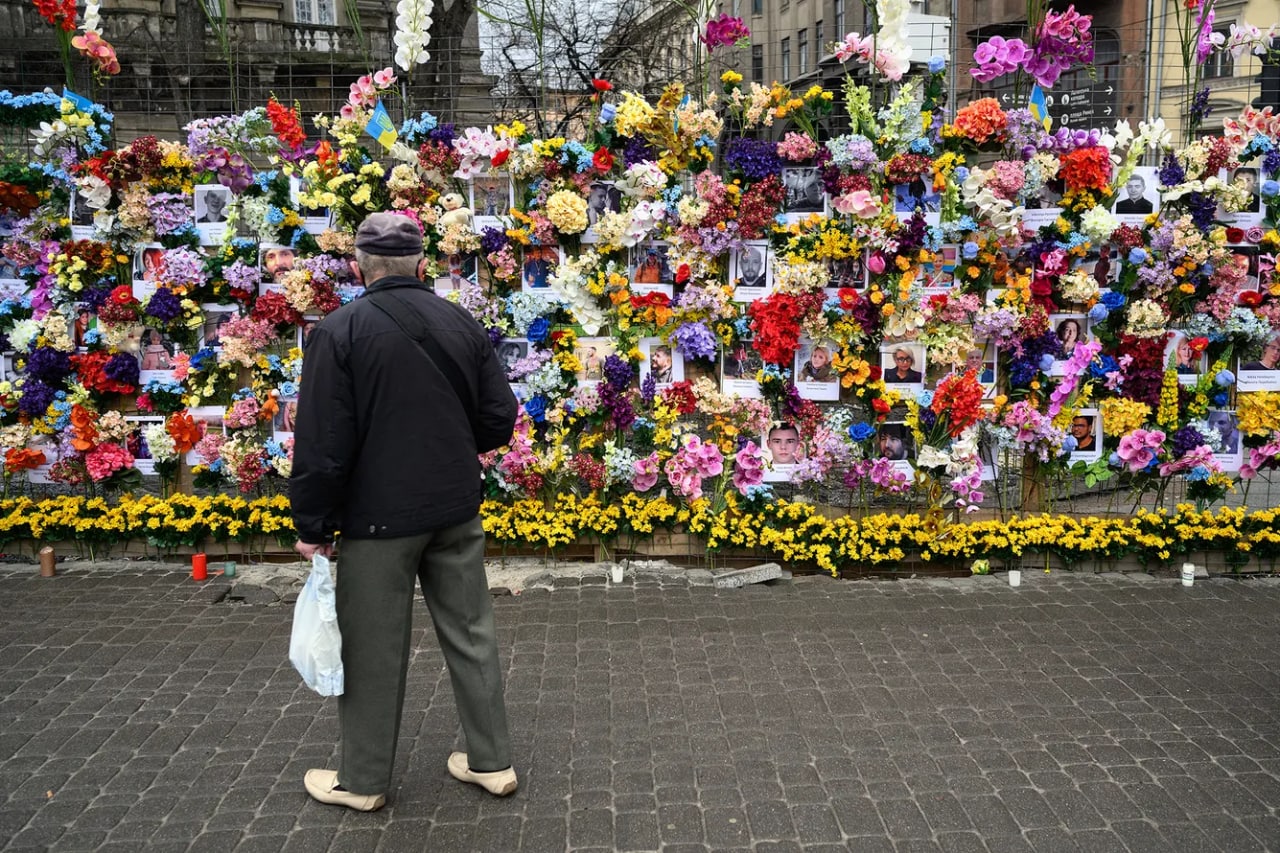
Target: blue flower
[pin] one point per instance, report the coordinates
(1046, 362)
(1225, 378)
(1114, 301)
(969, 250)
(1068, 444)
(1098, 313)
(962, 173)
(537, 408)
(1220, 399)
(1114, 460)
(937, 64)
(924, 399)
(861, 431)
(288, 389)
(1269, 189)
(607, 112)
(1137, 255)
(538, 330)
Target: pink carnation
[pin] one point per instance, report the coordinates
(105, 460)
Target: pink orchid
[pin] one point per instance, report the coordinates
(876, 263)
(860, 203)
(748, 468)
(854, 45)
(1139, 448)
(1202, 455)
(384, 78)
(998, 56)
(645, 473)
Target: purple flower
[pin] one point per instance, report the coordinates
(49, 365)
(648, 390)
(617, 371)
(36, 397)
(755, 159)
(122, 368)
(164, 305)
(998, 56)
(695, 340)
(493, 240)
(442, 135)
(1171, 173)
(613, 399)
(637, 150)
(1186, 440)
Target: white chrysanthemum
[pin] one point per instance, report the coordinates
(413, 20)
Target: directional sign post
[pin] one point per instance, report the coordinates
(1083, 106)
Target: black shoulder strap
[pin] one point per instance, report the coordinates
(434, 353)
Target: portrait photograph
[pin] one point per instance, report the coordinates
(1138, 197)
(537, 265)
(1070, 330)
(1246, 178)
(305, 328)
(1228, 449)
(216, 315)
(155, 356)
(1179, 355)
(457, 271)
(1044, 207)
(903, 365)
(1103, 264)
(848, 272)
(661, 361)
(148, 263)
(651, 268)
(274, 260)
(136, 443)
(785, 450)
(739, 366)
(81, 217)
(591, 353)
(749, 271)
(1086, 429)
(816, 377)
(510, 352)
(1260, 369)
(603, 198)
(491, 197)
(282, 423)
(1245, 260)
(315, 220)
(895, 442)
(913, 196)
(84, 321)
(210, 420)
(212, 201)
(940, 273)
(803, 190)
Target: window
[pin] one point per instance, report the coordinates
(1220, 63)
(802, 51)
(757, 63)
(817, 39)
(757, 7)
(736, 6)
(840, 30)
(786, 59)
(314, 12)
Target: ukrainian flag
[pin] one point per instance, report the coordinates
(80, 102)
(1039, 107)
(381, 127)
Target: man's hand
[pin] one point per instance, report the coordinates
(308, 551)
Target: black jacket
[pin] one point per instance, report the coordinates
(383, 445)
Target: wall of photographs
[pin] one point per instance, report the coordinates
(702, 299)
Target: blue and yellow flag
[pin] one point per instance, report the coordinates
(1039, 107)
(80, 102)
(381, 127)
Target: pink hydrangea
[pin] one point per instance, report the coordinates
(105, 460)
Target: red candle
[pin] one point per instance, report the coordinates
(199, 567)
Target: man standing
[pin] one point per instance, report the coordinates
(400, 392)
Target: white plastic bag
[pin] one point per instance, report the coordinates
(315, 647)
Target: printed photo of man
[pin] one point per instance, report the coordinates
(1134, 200)
(784, 444)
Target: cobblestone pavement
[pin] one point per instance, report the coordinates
(138, 711)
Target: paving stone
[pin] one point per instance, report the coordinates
(816, 715)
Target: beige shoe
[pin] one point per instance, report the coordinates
(500, 783)
(322, 785)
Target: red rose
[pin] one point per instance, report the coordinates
(602, 160)
(601, 85)
(874, 372)
(1041, 287)
(501, 157)
(682, 273)
(1235, 235)
(1250, 298)
(881, 407)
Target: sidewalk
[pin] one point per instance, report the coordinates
(141, 711)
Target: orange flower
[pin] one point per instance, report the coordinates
(83, 431)
(22, 459)
(184, 431)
